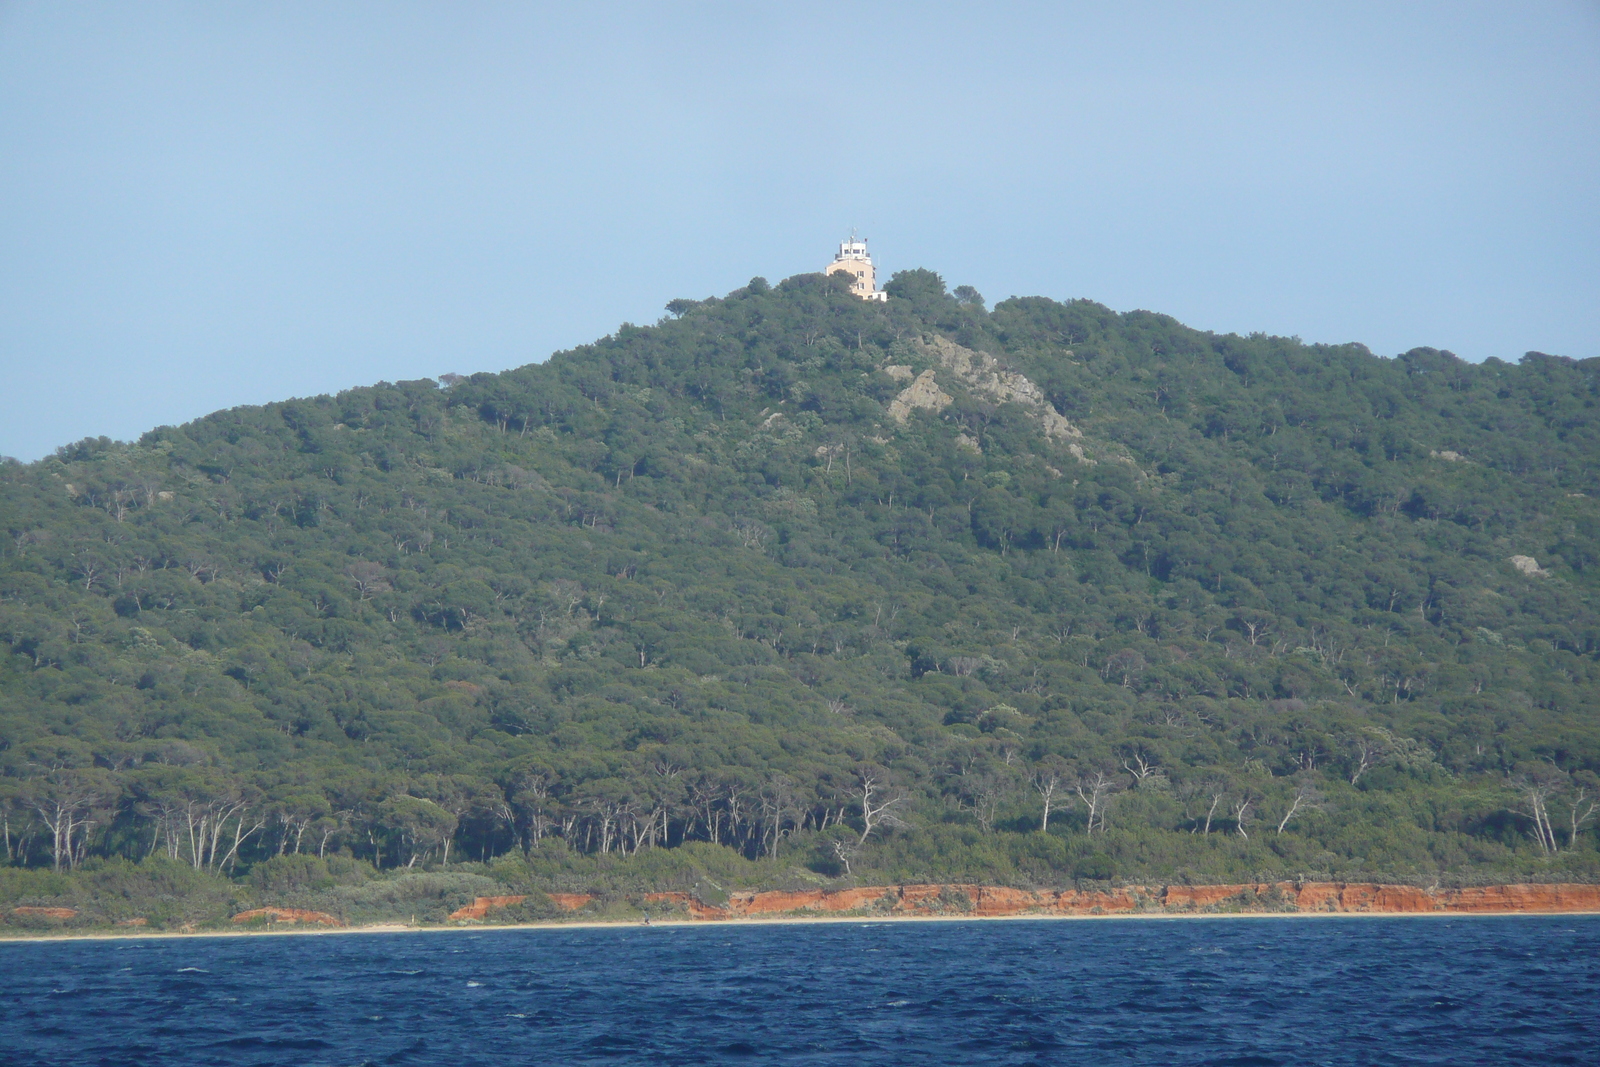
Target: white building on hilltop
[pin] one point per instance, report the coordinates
(853, 259)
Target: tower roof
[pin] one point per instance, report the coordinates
(853, 247)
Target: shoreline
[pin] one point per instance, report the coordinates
(293, 930)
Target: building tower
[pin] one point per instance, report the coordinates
(854, 260)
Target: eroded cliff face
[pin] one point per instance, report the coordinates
(26, 912)
(480, 907)
(993, 901)
(288, 915)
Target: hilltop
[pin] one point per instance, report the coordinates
(794, 590)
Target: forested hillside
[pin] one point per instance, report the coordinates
(906, 591)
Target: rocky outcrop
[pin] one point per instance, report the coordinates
(982, 373)
(287, 915)
(923, 394)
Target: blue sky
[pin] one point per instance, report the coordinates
(217, 204)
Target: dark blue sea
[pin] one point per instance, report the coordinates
(1194, 991)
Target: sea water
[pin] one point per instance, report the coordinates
(1194, 991)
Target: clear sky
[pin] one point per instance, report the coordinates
(217, 204)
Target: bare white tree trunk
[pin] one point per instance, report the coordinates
(1306, 798)
(877, 803)
(1242, 810)
(1582, 809)
(240, 835)
(1216, 799)
(1095, 790)
(1046, 783)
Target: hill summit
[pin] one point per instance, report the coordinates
(797, 588)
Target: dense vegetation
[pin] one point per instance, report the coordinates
(813, 582)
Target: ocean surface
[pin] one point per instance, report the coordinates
(1191, 991)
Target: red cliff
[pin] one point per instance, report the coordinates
(981, 900)
(287, 915)
(45, 913)
(932, 900)
(481, 906)
(1532, 898)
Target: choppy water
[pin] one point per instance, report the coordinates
(1226, 991)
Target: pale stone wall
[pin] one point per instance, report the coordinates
(854, 260)
(866, 277)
